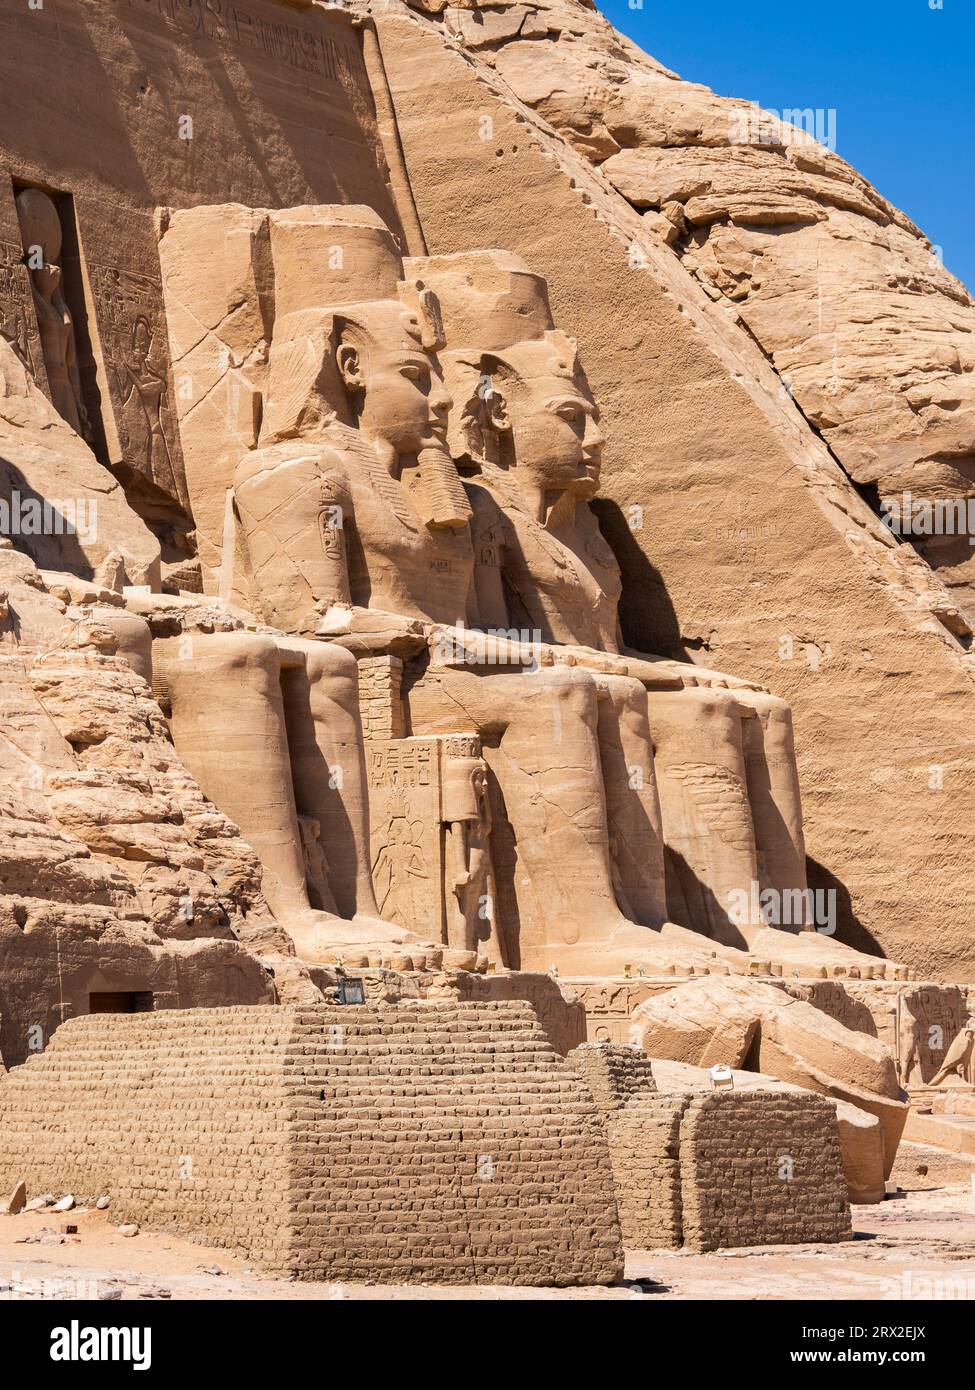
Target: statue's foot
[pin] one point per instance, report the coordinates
(618, 947)
(316, 934)
(814, 953)
(628, 949)
(363, 927)
(321, 938)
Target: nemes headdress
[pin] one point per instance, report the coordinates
(498, 329)
(338, 277)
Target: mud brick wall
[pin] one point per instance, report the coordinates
(614, 1073)
(428, 1142)
(557, 1008)
(728, 1168)
(461, 1149)
(761, 1168)
(181, 1116)
(644, 1142)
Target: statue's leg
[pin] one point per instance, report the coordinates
(712, 865)
(773, 791)
(541, 739)
(321, 705)
(729, 793)
(133, 637)
(632, 801)
(228, 726)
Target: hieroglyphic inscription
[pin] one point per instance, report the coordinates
(402, 764)
(461, 745)
(867, 1011)
(280, 40)
(609, 1005)
(406, 833)
(16, 306)
(929, 1018)
(380, 703)
(131, 325)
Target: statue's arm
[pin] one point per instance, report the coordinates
(295, 510)
(488, 535)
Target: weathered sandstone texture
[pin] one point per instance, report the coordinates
(475, 449)
(116, 875)
(850, 302)
(44, 462)
(423, 1143)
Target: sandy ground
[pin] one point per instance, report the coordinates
(919, 1245)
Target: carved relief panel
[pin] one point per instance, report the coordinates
(407, 837)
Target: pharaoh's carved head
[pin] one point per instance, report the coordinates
(392, 383)
(40, 225)
(465, 790)
(528, 408)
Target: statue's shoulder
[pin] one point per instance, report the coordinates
(324, 457)
(488, 514)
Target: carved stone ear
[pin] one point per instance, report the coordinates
(496, 411)
(492, 394)
(347, 361)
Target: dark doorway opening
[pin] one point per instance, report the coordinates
(121, 1002)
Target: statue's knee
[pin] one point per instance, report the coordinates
(705, 703)
(626, 693)
(768, 707)
(572, 691)
(326, 661)
(195, 655)
(238, 650)
(133, 639)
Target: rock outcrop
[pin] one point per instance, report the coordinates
(116, 874)
(66, 511)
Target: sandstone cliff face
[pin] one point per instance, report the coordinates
(668, 243)
(849, 301)
(43, 461)
(89, 759)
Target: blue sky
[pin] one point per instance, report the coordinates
(895, 71)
